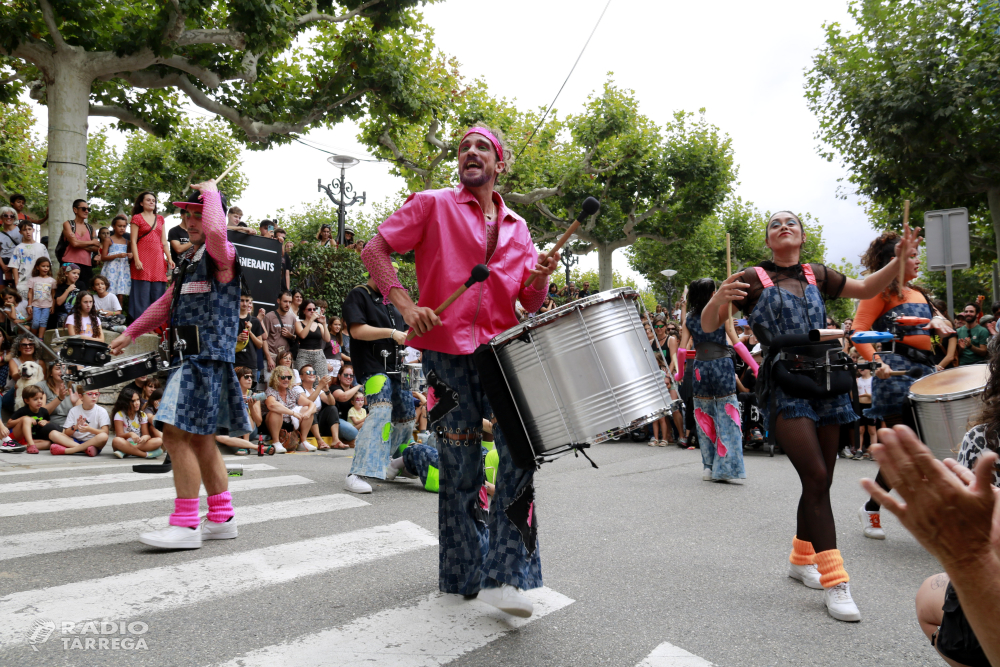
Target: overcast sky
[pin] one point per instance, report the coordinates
(743, 62)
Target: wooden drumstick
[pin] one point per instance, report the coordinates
(228, 169)
(902, 260)
(480, 272)
(590, 207)
(729, 272)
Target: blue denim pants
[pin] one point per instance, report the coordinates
(477, 551)
(388, 425)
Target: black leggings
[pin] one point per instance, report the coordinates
(328, 417)
(813, 452)
(890, 421)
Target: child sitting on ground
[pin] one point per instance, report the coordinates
(132, 437)
(87, 424)
(30, 424)
(357, 414)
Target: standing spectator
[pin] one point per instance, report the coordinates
(150, 250)
(178, 236)
(250, 339)
(944, 348)
(9, 238)
(40, 287)
(286, 260)
(81, 241)
(297, 298)
(116, 257)
(22, 262)
(234, 221)
(310, 327)
(267, 229)
(972, 338)
(279, 325)
(325, 236)
(18, 201)
(585, 291)
(865, 423)
(338, 346)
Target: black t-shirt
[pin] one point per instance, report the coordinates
(364, 306)
(286, 265)
(65, 309)
(37, 431)
(178, 233)
(248, 356)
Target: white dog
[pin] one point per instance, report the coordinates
(31, 373)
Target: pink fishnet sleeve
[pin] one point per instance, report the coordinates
(156, 315)
(533, 297)
(213, 224)
(376, 258)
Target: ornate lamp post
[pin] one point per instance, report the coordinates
(669, 288)
(568, 259)
(339, 190)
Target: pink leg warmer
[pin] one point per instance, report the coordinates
(220, 507)
(185, 513)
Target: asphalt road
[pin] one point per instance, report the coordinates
(638, 553)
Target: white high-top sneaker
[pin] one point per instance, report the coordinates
(840, 604)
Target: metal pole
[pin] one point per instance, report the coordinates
(951, 300)
(340, 210)
(996, 283)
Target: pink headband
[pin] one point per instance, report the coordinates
(489, 135)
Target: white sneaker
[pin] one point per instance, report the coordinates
(278, 449)
(173, 537)
(706, 475)
(308, 447)
(508, 599)
(355, 484)
(218, 531)
(872, 523)
(840, 604)
(391, 472)
(846, 453)
(807, 574)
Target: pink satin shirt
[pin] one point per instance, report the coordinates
(447, 229)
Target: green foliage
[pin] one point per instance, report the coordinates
(703, 253)
(330, 273)
(841, 309)
(910, 103)
(21, 157)
(194, 152)
(271, 69)
(617, 280)
(966, 285)
(303, 222)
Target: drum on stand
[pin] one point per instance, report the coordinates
(581, 374)
(944, 403)
(414, 373)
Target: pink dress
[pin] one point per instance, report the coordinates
(150, 246)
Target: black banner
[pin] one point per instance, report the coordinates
(260, 260)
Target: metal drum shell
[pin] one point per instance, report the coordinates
(943, 417)
(587, 370)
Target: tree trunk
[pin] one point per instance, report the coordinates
(993, 198)
(604, 268)
(68, 101)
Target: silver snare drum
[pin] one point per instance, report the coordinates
(944, 404)
(582, 373)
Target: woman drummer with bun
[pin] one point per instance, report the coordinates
(913, 351)
(786, 297)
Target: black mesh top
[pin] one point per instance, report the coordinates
(791, 279)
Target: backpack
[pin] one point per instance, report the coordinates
(64, 244)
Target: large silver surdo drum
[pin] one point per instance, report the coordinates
(945, 403)
(582, 373)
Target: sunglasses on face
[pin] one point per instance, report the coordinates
(284, 377)
(85, 209)
(309, 310)
(659, 326)
(27, 345)
(248, 376)
(309, 373)
(9, 216)
(349, 377)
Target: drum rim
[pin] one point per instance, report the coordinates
(944, 396)
(563, 310)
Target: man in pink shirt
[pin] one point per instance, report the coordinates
(451, 230)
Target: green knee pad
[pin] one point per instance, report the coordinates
(492, 463)
(433, 479)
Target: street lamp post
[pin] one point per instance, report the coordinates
(339, 190)
(568, 259)
(669, 288)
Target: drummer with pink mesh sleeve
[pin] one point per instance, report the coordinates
(451, 230)
(202, 394)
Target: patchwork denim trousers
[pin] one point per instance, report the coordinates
(475, 550)
(388, 425)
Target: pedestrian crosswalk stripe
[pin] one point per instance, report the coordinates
(92, 480)
(126, 498)
(114, 463)
(142, 592)
(434, 631)
(668, 655)
(84, 537)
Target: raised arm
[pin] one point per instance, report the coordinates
(213, 225)
(874, 283)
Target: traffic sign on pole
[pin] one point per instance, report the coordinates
(946, 233)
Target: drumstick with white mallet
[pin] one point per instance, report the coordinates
(480, 272)
(589, 208)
